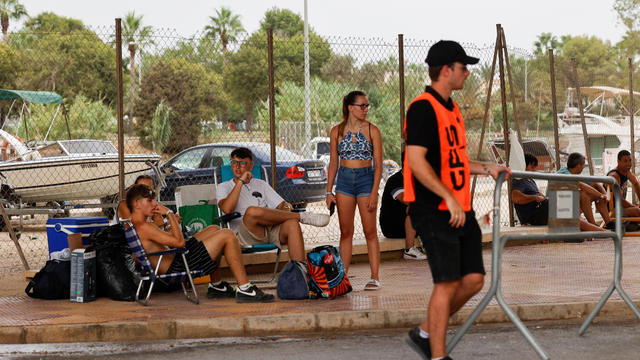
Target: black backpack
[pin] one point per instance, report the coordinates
(292, 282)
(52, 282)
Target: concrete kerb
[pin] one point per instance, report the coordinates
(287, 323)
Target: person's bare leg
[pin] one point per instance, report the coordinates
(346, 211)
(601, 206)
(410, 233)
(257, 218)
(291, 235)
(470, 285)
(585, 206)
(438, 318)
(225, 241)
(630, 210)
(368, 219)
(587, 226)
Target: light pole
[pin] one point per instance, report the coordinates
(307, 107)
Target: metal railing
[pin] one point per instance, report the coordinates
(498, 243)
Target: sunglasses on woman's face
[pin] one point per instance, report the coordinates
(362, 106)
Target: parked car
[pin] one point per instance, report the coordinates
(299, 181)
(318, 148)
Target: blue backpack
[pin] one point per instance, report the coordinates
(292, 282)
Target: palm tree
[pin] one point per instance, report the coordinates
(10, 9)
(138, 37)
(225, 26)
(545, 42)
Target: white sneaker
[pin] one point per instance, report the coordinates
(413, 254)
(314, 219)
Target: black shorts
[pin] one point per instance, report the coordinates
(393, 226)
(198, 258)
(451, 252)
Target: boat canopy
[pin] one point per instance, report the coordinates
(605, 91)
(38, 97)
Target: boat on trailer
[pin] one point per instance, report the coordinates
(62, 170)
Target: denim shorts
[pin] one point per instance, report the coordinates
(452, 252)
(354, 182)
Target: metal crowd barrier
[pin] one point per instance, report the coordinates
(498, 243)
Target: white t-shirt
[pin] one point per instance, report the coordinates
(256, 193)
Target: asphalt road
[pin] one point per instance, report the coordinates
(610, 340)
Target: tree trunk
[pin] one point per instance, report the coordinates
(132, 88)
(248, 113)
(4, 20)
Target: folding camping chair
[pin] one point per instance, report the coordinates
(192, 194)
(148, 273)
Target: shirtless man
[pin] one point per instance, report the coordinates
(623, 175)
(204, 247)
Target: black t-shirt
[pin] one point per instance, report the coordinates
(527, 187)
(422, 130)
(392, 211)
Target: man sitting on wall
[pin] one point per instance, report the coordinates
(531, 206)
(589, 193)
(394, 221)
(623, 175)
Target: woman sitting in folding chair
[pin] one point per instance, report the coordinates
(203, 247)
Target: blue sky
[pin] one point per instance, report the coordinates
(462, 20)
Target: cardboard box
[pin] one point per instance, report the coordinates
(83, 275)
(75, 241)
(59, 228)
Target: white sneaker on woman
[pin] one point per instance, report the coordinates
(413, 254)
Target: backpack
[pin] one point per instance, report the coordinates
(53, 281)
(292, 282)
(326, 273)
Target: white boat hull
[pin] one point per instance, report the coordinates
(72, 178)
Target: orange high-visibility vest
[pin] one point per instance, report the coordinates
(454, 162)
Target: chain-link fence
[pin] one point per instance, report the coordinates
(189, 101)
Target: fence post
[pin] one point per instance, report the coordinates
(587, 147)
(505, 120)
(631, 125)
(401, 86)
(511, 92)
(486, 115)
(119, 108)
(556, 140)
(272, 111)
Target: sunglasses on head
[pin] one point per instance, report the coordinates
(150, 195)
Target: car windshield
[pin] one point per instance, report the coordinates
(263, 151)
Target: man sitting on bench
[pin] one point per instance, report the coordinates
(204, 247)
(531, 206)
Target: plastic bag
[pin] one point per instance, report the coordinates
(114, 264)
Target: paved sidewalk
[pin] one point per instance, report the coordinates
(542, 282)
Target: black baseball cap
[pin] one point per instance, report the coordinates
(446, 52)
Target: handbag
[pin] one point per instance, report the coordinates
(53, 281)
(199, 216)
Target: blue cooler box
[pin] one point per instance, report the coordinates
(59, 228)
